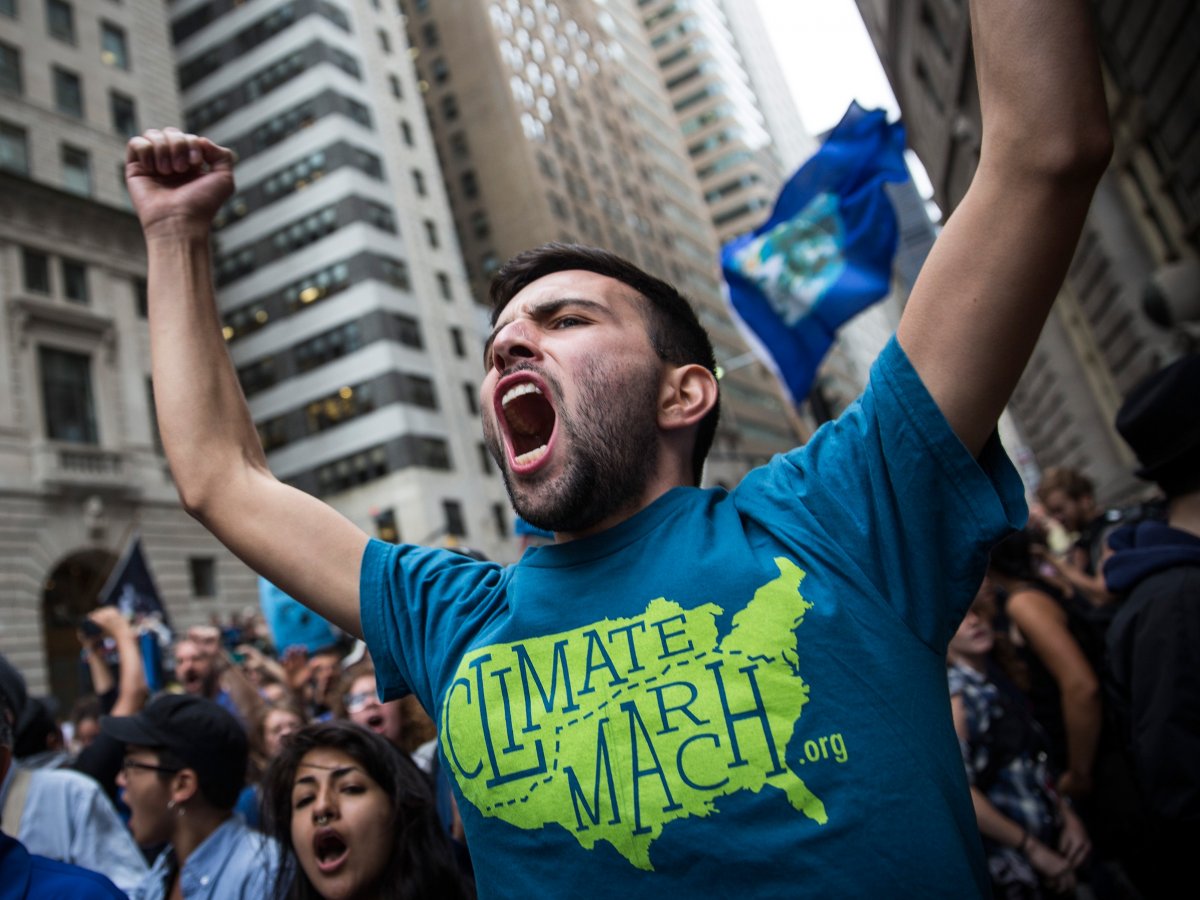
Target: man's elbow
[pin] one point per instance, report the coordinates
(1080, 156)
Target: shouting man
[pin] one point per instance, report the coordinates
(690, 689)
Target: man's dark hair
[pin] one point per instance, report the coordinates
(675, 333)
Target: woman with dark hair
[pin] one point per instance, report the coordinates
(358, 819)
(1048, 629)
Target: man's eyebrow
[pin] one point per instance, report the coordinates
(544, 310)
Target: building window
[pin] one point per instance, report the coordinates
(441, 71)
(386, 528)
(203, 572)
(394, 84)
(455, 524)
(141, 297)
(114, 51)
(77, 175)
(500, 517)
(418, 182)
(8, 8)
(449, 107)
(458, 145)
(67, 396)
(485, 458)
(470, 184)
(456, 339)
(74, 280)
(431, 233)
(471, 397)
(35, 267)
(10, 68)
(479, 224)
(384, 43)
(68, 93)
(124, 114)
(60, 20)
(14, 149)
(443, 281)
(406, 132)
(430, 34)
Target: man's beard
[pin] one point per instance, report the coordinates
(612, 451)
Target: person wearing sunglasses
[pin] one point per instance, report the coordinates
(184, 766)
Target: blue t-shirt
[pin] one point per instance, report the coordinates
(729, 692)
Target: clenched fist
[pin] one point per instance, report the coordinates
(177, 181)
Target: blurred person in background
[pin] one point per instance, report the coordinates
(1033, 840)
(356, 819)
(1153, 673)
(62, 814)
(270, 728)
(1069, 497)
(184, 766)
(26, 876)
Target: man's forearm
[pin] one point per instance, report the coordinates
(202, 414)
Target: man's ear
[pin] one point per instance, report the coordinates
(184, 786)
(686, 395)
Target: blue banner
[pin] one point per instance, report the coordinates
(291, 623)
(826, 252)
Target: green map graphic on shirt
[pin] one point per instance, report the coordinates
(614, 730)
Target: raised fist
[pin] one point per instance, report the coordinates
(177, 181)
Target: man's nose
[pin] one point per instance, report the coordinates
(515, 341)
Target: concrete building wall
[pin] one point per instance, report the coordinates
(1098, 341)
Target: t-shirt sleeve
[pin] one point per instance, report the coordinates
(420, 607)
(892, 495)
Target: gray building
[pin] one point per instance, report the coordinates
(1144, 221)
(81, 469)
(339, 276)
(553, 122)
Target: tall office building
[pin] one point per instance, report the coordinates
(718, 110)
(552, 123)
(1098, 341)
(338, 272)
(80, 467)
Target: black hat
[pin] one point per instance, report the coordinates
(1160, 421)
(200, 732)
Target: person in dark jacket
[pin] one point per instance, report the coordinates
(1152, 672)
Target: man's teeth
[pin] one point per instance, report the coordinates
(532, 456)
(519, 390)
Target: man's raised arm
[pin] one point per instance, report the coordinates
(991, 277)
(177, 183)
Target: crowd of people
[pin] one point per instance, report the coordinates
(772, 690)
(259, 773)
(252, 774)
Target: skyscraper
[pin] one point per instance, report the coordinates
(80, 466)
(338, 271)
(552, 123)
(1098, 341)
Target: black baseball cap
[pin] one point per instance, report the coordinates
(203, 734)
(1155, 423)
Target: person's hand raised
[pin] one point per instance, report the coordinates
(177, 181)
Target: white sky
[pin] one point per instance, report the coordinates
(827, 58)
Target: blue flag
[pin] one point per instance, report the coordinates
(826, 252)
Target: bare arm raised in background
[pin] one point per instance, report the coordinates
(983, 295)
(177, 183)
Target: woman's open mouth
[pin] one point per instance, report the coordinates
(529, 422)
(331, 851)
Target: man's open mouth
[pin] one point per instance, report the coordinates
(530, 421)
